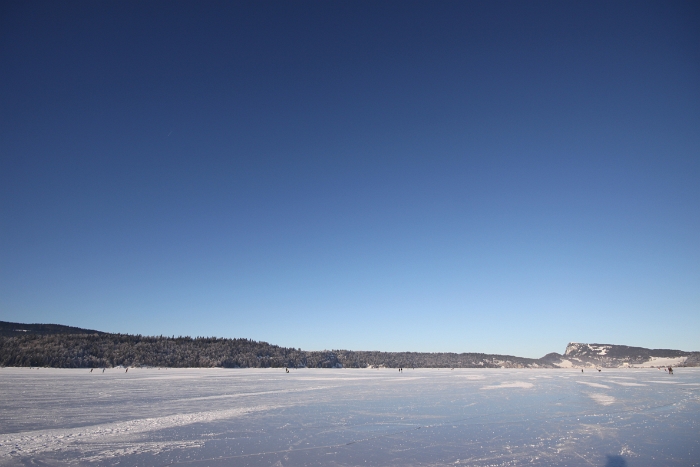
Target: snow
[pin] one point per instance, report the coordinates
(572, 348)
(599, 349)
(625, 383)
(32, 442)
(346, 417)
(514, 384)
(659, 361)
(602, 399)
(594, 385)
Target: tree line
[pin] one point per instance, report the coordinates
(111, 350)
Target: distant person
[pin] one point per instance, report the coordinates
(670, 370)
(91, 370)
(598, 370)
(581, 370)
(127, 370)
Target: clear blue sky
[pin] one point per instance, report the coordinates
(498, 177)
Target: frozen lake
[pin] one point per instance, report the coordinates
(315, 417)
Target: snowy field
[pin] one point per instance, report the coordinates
(315, 417)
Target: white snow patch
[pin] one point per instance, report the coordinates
(514, 384)
(599, 349)
(594, 385)
(245, 394)
(602, 399)
(624, 383)
(87, 437)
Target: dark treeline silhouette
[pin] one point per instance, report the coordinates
(20, 329)
(110, 350)
(58, 346)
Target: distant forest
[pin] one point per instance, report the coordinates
(22, 347)
(58, 346)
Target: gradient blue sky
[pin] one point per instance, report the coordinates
(498, 177)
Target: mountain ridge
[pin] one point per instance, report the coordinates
(61, 346)
(8, 329)
(615, 356)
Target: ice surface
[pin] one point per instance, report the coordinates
(315, 417)
(661, 361)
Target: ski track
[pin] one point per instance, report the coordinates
(33, 442)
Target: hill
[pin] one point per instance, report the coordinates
(107, 350)
(19, 329)
(54, 345)
(619, 356)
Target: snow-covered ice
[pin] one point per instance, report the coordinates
(315, 417)
(655, 362)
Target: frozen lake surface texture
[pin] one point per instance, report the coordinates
(323, 417)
